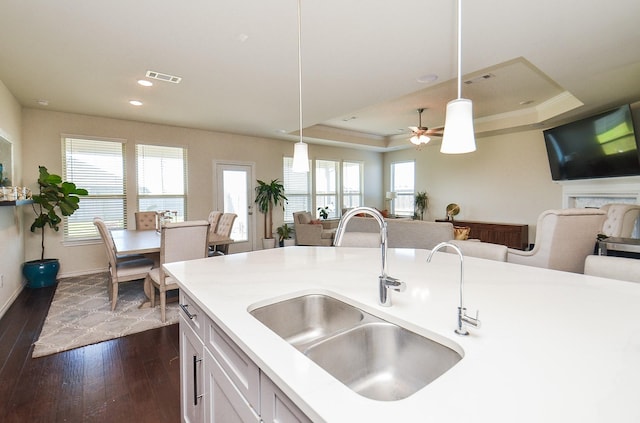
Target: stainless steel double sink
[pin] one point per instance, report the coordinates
(375, 358)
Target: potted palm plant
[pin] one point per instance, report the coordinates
(55, 197)
(421, 201)
(284, 235)
(268, 196)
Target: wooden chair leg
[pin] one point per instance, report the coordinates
(163, 303)
(114, 295)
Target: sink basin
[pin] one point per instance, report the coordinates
(308, 318)
(383, 361)
(375, 358)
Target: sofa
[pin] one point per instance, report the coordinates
(401, 233)
(310, 231)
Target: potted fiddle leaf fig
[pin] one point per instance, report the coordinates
(268, 196)
(55, 200)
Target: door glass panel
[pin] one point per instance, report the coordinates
(236, 201)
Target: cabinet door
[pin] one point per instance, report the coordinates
(191, 373)
(224, 402)
(276, 407)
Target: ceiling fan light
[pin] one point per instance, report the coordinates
(419, 140)
(458, 136)
(300, 157)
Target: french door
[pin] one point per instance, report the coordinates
(234, 194)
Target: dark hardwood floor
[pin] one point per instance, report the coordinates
(131, 379)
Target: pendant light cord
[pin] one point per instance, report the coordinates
(300, 65)
(459, 48)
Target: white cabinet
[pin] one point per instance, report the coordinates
(276, 407)
(191, 364)
(218, 381)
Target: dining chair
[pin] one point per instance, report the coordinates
(179, 241)
(121, 268)
(214, 218)
(146, 220)
(222, 232)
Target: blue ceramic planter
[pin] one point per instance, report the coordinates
(41, 273)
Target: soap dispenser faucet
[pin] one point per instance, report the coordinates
(385, 282)
(463, 319)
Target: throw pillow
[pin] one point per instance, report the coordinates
(461, 232)
(315, 222)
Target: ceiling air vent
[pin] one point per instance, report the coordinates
(479, 78)
(163, 77)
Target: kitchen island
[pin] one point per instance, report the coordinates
(553, 346)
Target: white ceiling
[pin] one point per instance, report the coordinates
(361, 60)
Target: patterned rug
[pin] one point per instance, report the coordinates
(80, 314)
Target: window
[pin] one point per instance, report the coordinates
(403, 183)
(327, 186)
(351, 184)
(297, 188)
(97, 166)
(162, 179)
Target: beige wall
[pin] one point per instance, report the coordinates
(42, 146)
(11, 226)
(505, 180)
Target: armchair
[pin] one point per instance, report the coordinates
(310, 233)
(564, 238)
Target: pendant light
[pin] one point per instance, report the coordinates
(300, 149)
(458, 136)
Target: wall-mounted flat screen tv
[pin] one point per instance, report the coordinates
(600, 146)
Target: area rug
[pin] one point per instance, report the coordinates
(80, 314)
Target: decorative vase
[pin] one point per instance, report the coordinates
(268, 243)
(41, 273)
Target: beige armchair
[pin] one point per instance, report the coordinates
(621, 219)
(308, 233)
(485, 250)
(564, 238)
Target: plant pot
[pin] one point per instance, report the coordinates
(268, 243)
(41, 273)
(289, 242)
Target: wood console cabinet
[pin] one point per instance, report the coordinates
(511, 235)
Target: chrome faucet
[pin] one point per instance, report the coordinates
(385, 282)
(463, 319)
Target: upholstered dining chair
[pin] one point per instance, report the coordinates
(621, 219)
(121, 268)
(564, 238)
(146, 220)
(621, 268)
(214, 218)
(179, 241)
(222, 232)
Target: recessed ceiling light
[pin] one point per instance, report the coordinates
(526, 102)
(425, 79)
(145, 83)
(43, 102)
(242, 37)
(135, 102)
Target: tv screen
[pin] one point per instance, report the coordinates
(600, 146)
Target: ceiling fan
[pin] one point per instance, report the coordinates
(420, 134)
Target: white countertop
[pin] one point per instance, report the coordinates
(553, 347)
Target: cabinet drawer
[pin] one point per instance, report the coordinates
(241, 370)
(193, 315)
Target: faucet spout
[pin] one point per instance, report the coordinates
(463, 318)
(386, 282)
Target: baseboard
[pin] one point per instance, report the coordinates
(10, 301)
(82, 273)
